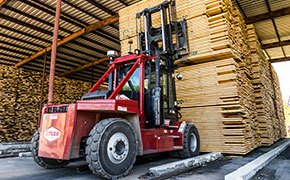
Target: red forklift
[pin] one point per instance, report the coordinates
(137, 115)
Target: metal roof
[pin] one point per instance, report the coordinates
(26, 27)
(271, 19)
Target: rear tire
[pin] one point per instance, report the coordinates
(112, 148)
(191, 145)
(46, 163)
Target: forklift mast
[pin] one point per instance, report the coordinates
(167, 42)
(159, 47)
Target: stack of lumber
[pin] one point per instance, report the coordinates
(217, 99)
(267, 93)
(68, 91)
(280, 120)
(20, 96)
(263, 88)
(227, 88)
(7, 102)
(225, 35)
(27, 99)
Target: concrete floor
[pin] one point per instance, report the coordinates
(25, 169)
(279, 168)
(218, 169)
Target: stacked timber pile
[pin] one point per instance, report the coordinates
(8, 89)
(20, 95)
(68, 91)
(217, 90)
(267, 93)
(217, 99)
(226, 85)
(27, 104)
(263, 89)
(280, 121)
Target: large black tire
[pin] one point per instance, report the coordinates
(191, 145)
(112, 148)
(47, 163)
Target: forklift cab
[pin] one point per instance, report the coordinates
(156, 83)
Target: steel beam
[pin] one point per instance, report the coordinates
(60, 28)
(86, 12)
(276, 44)
(44, 7)
(283, 59)
(2, 2)
(53, 52)
(85, 66)
(275, 26)
(123, 2)
(103, 8)
(266, 16)
(49, 33)
(69, 38)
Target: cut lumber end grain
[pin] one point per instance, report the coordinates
(20, 100)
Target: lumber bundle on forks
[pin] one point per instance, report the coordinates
(190, 10)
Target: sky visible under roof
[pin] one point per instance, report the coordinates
(283, 71)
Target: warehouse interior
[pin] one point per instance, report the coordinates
(231, 82)
(27, 26)
(87, 30)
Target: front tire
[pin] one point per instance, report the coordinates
(191, 145)
(46, 163)
(112, 148)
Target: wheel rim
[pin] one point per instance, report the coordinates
(118, 148)
(193, 142)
